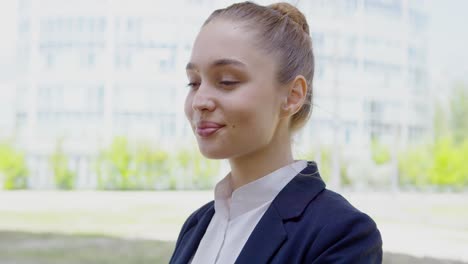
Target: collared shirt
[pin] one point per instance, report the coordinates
(237, 213)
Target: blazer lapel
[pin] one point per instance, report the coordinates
(269, 234)
(266, 238)
(193, 237)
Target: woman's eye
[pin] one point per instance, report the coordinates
(228, 83)
(193, 84)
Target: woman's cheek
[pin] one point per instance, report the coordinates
(188, 107)
(244, 121)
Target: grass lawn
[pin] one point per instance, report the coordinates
(140, 215)
(140, 227)
(48, 248)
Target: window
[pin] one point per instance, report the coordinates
(101, 26)
(50, 60)
(385, 7)
(91, 59)
(417, 19)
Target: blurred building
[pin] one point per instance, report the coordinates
(372, 76)
(92, 70)
(89, 70)
(7, 69)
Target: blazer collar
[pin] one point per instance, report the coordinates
(289, 203)
(297, 194)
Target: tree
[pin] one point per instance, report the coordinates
(449, 167)
(380, 153)
(459, 113)
(204, 171)
(113, 166)
(151, 165)
(13, 167)
(64, 178)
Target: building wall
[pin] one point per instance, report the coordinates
(7, 67)
(88, 71)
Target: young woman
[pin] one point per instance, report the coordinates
(250, 78)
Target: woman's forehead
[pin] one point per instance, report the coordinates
(223, 41)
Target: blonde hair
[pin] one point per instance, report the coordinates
(282, 30)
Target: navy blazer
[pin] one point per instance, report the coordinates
(305, 223)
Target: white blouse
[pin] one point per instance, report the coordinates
(237, 213)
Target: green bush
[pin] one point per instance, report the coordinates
(64, 178)
(124, 166)
(182, 160)
(151, 166)
(325, 164)
(443, 164)
(380, 153)
(13, 168)
(449, 166)
(203, 171)
(414, 165)
(113, 166)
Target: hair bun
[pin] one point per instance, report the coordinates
(293, 13)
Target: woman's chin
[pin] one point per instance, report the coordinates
(212, 153)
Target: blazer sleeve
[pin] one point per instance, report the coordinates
(354, 239)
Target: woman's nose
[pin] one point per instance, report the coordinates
(203, 100)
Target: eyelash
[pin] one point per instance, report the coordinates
(229, 83)
(226, 83)
(192, 85)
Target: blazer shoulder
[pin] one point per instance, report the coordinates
(344, 232)
(340, 212)
(337, 207)
(192, 220)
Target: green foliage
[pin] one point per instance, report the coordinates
(449, 167)
(459, 113)
(414, 165)
(380, 153)
(13, 167)
(203, 170)
(113, 166)
(191, 170)
(182, 160)
(124, 166)
(64, 178)
(441, 125)
(443, 164)
(183, 157)
(345, 179)
(151, 165)
(324, 163)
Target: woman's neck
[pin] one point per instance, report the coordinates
(250, 167)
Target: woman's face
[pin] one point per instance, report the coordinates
(233, 104)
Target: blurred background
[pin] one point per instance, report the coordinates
(99, 165)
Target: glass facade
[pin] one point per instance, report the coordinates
(91, 70)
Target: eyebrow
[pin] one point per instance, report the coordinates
(218, 63)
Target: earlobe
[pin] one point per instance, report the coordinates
(285, 108)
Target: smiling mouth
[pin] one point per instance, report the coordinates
(207, 131)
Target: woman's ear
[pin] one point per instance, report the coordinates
(297, 92)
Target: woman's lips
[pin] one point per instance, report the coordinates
(206, 132)
(206, 129)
